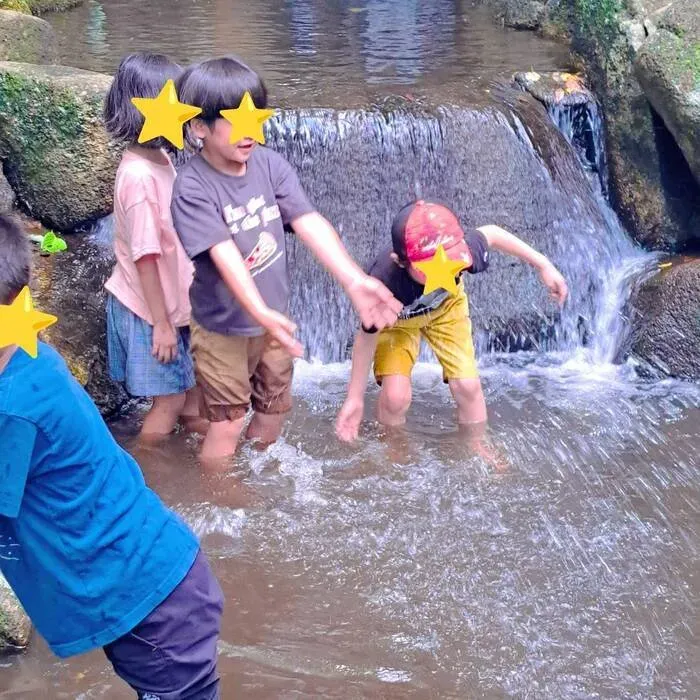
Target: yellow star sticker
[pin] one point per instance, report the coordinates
(164, 115)
(440, 272)
(20, 323)
(247, 120)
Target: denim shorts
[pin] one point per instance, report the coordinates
(129, 346)
(171, 655)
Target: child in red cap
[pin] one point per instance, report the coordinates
(442, 319)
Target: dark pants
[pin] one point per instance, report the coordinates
(171, 655)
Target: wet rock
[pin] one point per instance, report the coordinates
(668, 69)
(652, 187)
(71, 286)
(39, 7)
(7, 195)
(667, 321)
(524, 14)
(15, 627)
(26, 38)
(58, 157)
(565, 89)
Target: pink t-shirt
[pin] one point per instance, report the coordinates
(144, 226)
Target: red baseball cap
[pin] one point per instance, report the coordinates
(420, 227)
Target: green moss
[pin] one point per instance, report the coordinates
(16, 5)
(40, 119)
(597, 19)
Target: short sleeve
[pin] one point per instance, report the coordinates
(143, 223)
(17, 438)
(479, 249)
(290, 195)
(197, 220)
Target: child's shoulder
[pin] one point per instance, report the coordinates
(27, 381)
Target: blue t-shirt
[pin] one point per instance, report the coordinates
(87, 547)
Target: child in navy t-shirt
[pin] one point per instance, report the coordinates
(91, 552)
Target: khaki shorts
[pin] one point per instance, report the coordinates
(236, 371)
(448, 331)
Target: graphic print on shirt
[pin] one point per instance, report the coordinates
(245, 218)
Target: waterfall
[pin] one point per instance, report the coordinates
(503, 163)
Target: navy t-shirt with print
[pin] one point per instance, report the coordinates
(210, 207)
(409, 292)
(87, 547)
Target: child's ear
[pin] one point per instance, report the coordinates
(198, 128)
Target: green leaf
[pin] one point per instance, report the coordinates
(51, 243)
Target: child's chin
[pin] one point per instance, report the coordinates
(242, 154)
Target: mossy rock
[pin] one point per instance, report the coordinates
(39, 7)
(16, 6)
(70, 285)
(15, 627)
(668, 69)
(26, 39)
(58, 157)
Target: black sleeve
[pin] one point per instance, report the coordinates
(479, 248)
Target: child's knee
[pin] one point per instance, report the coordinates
(396, 398)
(466, 391)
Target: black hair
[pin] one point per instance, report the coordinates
(15, 259)
(138, 75)
(398, 231)
(220, 83)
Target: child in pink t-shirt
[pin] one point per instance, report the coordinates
(148, 308)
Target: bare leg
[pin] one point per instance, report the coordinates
(162, 416)
(220, 442)
(394, 400)
(471, 406)
(265, 428)
(190, 418)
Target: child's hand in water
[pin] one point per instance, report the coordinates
(164, 342)
(347, 424)
(374, 303)
(555, 282)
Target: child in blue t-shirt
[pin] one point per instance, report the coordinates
(92, 554)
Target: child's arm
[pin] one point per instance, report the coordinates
(347, 423)
(374, 303)
(233, 270)
(505, 242)
(164, 334)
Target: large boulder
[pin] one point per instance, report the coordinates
(26, 39)
(58, 157)
(667, 321)
(15, 627)
(651, 185)
(70, 285)
(668, 69)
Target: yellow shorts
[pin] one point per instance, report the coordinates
(448, 331)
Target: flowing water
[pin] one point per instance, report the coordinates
(314, 52)
(562, 564)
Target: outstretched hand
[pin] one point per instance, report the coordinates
(555, 282)
(347, 424)
(375, 304)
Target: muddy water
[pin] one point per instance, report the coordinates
(313, 52)
(407, 566)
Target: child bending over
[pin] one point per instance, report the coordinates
(443, 320)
